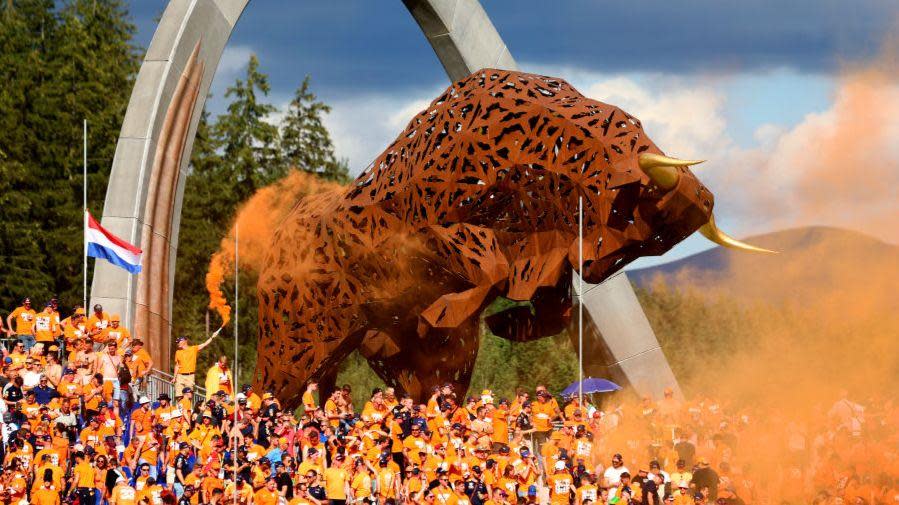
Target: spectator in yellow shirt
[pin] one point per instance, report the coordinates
(24, 317)
(218, 378)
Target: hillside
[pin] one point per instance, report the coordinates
(821, 263)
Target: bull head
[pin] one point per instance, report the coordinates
(663, 172)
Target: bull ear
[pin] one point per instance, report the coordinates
(662, 170)
(710, 231)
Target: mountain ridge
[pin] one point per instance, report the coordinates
(810, 259)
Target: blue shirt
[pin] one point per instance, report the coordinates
(43, 395)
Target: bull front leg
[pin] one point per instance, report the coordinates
(550, 316)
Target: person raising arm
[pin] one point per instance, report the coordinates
(186, 361)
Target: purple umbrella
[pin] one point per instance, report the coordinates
(590, 386)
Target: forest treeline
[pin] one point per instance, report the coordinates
(65, 61)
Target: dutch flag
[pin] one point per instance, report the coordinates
(105, 245)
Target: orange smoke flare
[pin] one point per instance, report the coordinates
(214, 277)
(258, 219)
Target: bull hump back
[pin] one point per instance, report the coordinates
(471, 137)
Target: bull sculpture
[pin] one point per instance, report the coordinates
(476, 199)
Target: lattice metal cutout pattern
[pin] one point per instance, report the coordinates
(477, 198)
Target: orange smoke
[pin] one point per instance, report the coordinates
(256, 221)
(779, 339)
(839, 166)
(214, 278)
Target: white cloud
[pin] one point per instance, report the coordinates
(234, 60)
(766, 185)
(232, 65)
(364, 125)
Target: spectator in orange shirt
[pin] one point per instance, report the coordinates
(47, 494)
(115, 331)
(186, 362)
(139, 364)
(268, 495)
(75, 329)
(98, 322)
(45, 326)
(24, 317)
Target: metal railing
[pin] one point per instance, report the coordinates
(158, 382)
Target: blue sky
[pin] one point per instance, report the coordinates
(715, 79)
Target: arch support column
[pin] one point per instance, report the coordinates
(146, 184)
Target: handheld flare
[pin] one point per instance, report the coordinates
(214, 277)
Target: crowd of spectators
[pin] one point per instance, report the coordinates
(79, 427)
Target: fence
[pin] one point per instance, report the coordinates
(158, 382)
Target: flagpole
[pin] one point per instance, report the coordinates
(236, 332)
(580, 305)
(84, 218)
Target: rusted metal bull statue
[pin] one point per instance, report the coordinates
(476, 199)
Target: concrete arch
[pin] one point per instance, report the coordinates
(146, 185)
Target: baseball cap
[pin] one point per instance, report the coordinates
(560, 465)
(179, 339)
(532, 490)
(143, 400)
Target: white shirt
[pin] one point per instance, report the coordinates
(613, 475)
(30, 379)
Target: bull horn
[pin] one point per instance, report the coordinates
(711, 232)
(662, 170)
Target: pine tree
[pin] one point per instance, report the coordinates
(27, 32)
(250, 144)
(59, 66)
(305, 142)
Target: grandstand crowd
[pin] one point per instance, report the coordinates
(79, 427)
